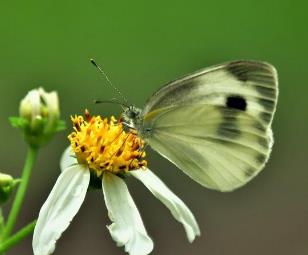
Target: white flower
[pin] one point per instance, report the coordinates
(69, 192)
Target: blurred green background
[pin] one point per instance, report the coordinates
(142, 45)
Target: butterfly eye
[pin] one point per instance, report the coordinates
(132, 114)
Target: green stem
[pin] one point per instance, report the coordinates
(31, 156)
(1, 224)
(19, 236)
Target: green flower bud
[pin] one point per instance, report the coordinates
(39, 116)
(7, 183)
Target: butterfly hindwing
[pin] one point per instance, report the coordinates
(215, 124)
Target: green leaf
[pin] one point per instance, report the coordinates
(60, 125)
(18, 122)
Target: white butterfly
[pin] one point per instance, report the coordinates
(215, 124)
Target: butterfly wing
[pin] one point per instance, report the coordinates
(215, 124)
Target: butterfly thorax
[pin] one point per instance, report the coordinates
(132, 118)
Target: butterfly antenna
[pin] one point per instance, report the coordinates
(110, 83)
(112, 101)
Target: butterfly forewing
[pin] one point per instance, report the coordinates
(215, 124)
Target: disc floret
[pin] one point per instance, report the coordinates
(103, 145)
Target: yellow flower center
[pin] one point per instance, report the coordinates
(104, 146)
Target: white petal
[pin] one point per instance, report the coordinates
(52, 101)
(177, 207)
(61, 206)
(127, 227)
(68, 159)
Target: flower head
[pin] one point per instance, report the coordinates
(38, 116)
(102, 147)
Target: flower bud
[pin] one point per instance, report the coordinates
(39, 116)
(7, 183)
(38, 105)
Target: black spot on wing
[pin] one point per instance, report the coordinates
(259, 126)
(249, 172)
(266, 117)
(229, 128)
(264, 78)
(263, 141)
(250, 70)
(236, 102)
(267, 92)
(237, 71)
(261, 158)
(267, 104)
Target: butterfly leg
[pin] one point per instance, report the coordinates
(120, 150)
(140, 154)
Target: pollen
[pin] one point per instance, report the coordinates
(103, 145)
